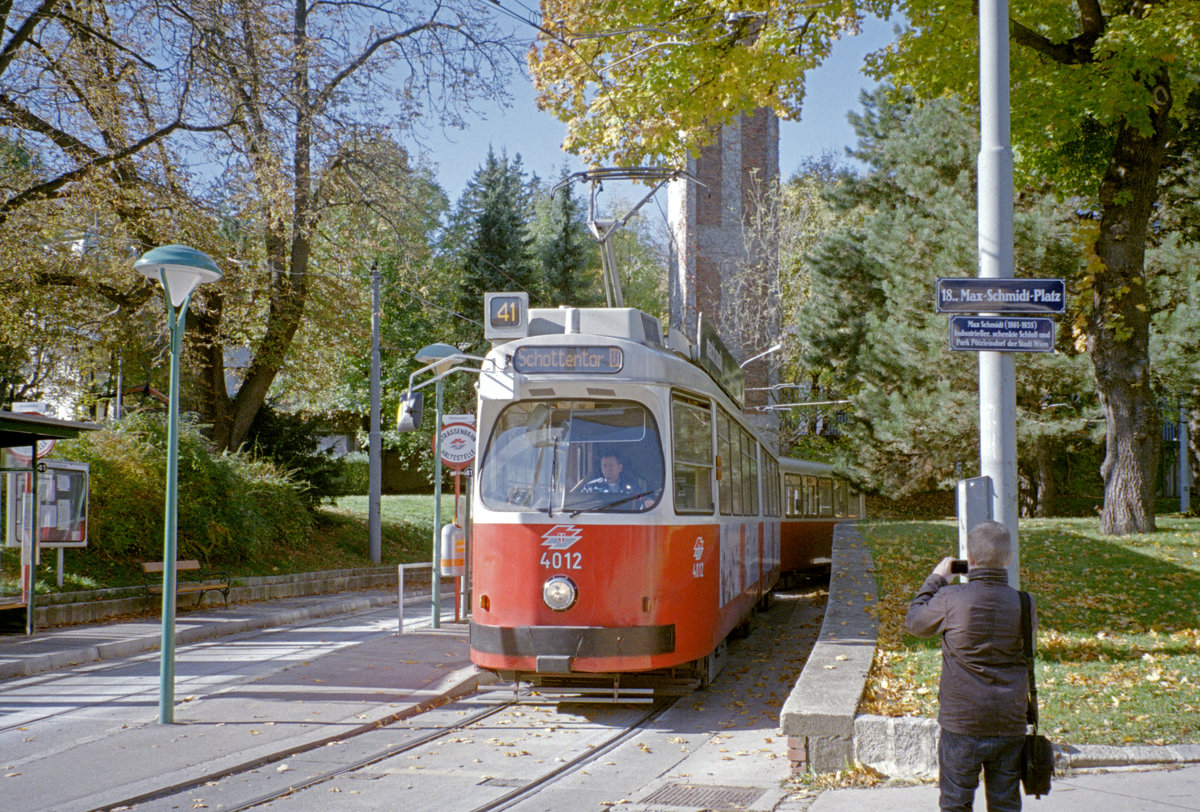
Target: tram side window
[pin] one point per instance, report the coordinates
(826, 496)
(691, 426)
(736, 471)
(840, 500)
(793, 495)
(725, 482)
(770, 479)
(749, 475)
(809, 497)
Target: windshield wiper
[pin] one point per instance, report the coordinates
(606, 505)
(553, 479)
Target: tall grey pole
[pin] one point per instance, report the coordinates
(997, 379)
(436, 586)
(176, 318)
(1185, 464)
(374, 436)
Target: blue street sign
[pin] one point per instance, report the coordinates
(1000, 296)
(998, 334)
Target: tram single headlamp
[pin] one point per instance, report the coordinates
(559, 593)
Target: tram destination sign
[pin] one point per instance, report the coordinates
(1000, 334)
(1003, 296)
(568, 360)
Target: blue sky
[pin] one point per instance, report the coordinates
(833, 90)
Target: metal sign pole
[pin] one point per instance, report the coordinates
(997, 377)
(29, 547)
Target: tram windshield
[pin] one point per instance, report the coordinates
(573, 456)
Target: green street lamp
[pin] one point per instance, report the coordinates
(443, 358)
(180, 269)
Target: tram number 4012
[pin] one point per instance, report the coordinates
(562, 561)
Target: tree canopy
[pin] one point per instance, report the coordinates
(645, 81)
(290, 112)
(862, 303)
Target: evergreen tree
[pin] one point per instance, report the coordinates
(868, 321)
(569, 255)
(488, 241)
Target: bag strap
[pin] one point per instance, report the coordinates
(1031, 714)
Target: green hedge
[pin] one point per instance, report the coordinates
(353, 475)
(230, 505)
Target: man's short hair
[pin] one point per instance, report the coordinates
(990, 545)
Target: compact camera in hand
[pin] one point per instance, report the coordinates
(959, 566)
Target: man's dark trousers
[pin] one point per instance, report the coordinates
(960, 759)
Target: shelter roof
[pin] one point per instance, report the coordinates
(27, 429)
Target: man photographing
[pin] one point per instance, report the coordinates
(984, 690)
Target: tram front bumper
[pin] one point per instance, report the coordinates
(557, 645)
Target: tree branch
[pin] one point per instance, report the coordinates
(24, 32)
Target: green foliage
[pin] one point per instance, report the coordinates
(568, 254)
(490, 241)
(1075, 80)
(231, 506)
(863, 302)
(353, 475)
(647, 81)
(290, 442)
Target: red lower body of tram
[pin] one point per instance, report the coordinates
(630, 597)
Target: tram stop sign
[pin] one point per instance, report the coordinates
(458, 445)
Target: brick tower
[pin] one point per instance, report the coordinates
(716, 269)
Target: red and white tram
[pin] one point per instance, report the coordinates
(625, 516)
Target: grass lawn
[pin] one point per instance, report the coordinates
(1119, 634)
(339, 541)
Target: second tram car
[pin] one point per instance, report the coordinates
(625, 517)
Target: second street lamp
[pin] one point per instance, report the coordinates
(444, 357)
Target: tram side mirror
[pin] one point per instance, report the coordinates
(408, 416)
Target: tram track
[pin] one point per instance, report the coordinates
(309, 746)
(438, 735)
(521, 793)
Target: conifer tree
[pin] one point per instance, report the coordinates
(489, 243)
(567, 252)
(869, 318)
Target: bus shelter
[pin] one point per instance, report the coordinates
(26, 437)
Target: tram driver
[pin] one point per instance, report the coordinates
(611, 480)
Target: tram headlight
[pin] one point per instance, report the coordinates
(559, 593)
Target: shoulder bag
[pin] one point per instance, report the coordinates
(1037, 757)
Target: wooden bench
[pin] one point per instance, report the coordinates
(188, 578)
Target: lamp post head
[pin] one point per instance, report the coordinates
(436, 352)
(179, 268)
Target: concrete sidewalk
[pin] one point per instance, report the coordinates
(64, 646)
(96, 762)
(1125, 790)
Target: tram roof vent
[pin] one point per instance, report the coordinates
(614, 322)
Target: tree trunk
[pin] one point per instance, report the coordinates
(1047, 491)
(1119, 323)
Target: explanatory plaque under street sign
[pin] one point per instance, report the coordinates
(999, 334)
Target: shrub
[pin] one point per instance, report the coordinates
(290, 441)
(230, 507)
(353, 475)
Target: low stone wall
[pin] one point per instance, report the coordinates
(819, 715)
(68, 608)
